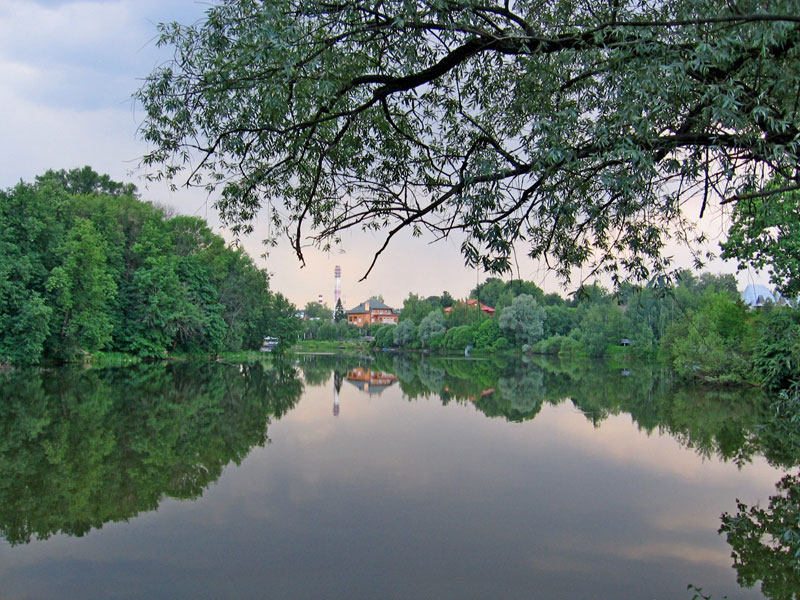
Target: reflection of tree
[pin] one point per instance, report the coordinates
(432, 376)
(523, 392)
(766, 542)
(317, 368)
(733, 424)
(84, 448)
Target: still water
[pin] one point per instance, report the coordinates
(335, 477)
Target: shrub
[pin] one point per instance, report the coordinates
(459, 338)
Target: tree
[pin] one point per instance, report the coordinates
(523, 320)
(416, 309)
(82, 291)
(580, 129)
(766, 233)
(338, 312)
(281, 321)
(430, 327)
(404, 333)
(315, 310)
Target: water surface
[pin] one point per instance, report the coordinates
(333, 477)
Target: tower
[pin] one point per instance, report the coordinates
(337, 289)
(319, 300)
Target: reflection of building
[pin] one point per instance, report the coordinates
(369, 381)
(370, 312)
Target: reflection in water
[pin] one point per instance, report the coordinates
(731, 424)
(370, 381)
(83, 448)
(766, 542)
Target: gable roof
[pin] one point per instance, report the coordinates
(373, 304)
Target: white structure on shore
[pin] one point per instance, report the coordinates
(757, 295)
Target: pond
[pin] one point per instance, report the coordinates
(378, 477)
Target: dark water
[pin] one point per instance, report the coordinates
(333, 477)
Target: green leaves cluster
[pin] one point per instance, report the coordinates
(578, 130)
(765, 233)
(85, 266)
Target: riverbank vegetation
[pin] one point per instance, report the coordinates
(87, 268)
(696, 324)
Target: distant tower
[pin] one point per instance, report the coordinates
(337, 290)
(320, 299)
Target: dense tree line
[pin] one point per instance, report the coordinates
(697, 324)
(85, 266)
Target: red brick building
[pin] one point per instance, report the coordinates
(371, 312)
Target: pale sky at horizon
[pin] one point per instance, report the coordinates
(67, 72)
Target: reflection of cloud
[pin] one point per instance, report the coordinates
(680, 551)
(616, 439)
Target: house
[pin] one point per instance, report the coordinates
(370, 312)
(487, 310)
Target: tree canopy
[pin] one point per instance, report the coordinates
(85, 267)
(579, 129)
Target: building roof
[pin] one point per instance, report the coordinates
(486, 309)
(373, 304)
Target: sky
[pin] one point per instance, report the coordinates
(68, 70)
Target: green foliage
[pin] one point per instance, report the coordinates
(81, 291)
(766, 234)
(776, 356)
(559, 320)
(461, 313)
(603, 324)
(497, 293)
(436, 341)
(384, 337)
(315, 310)
(580, 129)
(430, 327)
(339, 312)
(709, 342)
(405, 333)
(766, 542)
(458, 338)
(415, 308)
(85, 266)
(487, 333)
(523, 321)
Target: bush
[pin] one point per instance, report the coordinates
(458, 338)
(776, 359)
(436, 341)
(384, 337)
(501, 344)
(405, 333)
(487, 333)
